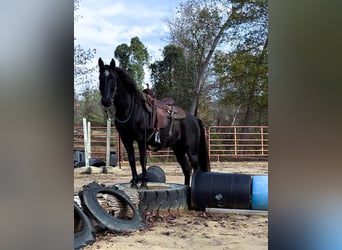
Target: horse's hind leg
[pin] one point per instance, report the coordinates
(180, 155)
(193, 157)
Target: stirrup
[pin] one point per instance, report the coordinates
(157, 137)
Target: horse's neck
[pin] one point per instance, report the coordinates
(123, 103)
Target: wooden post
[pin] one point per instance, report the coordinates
(108, 142)
(85, 138)
(89, 140)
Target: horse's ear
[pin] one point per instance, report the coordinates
(112, 64)
(101, 64)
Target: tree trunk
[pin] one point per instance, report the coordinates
(204, 65)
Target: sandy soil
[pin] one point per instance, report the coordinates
(188, 229)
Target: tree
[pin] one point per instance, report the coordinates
(88, 106)
(82, 71)
(198, 28)
(243, 82)
(82, 59)
(201, 26)
(84, 103)
(169, 76)
(242, 72)
(122, 53)
(133, 58)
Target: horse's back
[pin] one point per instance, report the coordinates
(190, 127)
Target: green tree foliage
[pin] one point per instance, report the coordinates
(88, 106)
(199, 27)
(251, 30)
(238, 27)
(122, 53)
(242, 73)
(169, 76)
(133, 58)
(85, 103)
(243, 83)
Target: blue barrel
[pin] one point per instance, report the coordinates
(221, 190)
(260, 192)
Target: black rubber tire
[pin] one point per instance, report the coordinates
(155, 174)
(164, 196)
(87, 234)
(89, 201)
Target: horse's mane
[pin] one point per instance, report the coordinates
(129, 82)
(127, 79)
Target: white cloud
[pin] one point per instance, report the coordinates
(106, 24)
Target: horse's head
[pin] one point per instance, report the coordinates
(108, 81)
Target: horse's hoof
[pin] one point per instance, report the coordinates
(143, 181)
(143, 184)
(134, 185)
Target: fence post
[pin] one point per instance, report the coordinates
(208, 137)
(108, 142)
(89, 139)
(262, 140)
(235, 142)
(85, 139)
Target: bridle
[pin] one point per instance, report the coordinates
(112, 103)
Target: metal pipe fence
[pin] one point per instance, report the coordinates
(224, 143)
(238, 142)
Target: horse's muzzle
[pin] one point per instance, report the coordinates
(105, 102)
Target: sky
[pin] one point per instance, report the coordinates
(105, 24)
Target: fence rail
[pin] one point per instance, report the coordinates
(224, 143)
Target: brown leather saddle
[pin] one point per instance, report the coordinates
(163, 113)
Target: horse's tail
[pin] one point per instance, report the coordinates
(203, 156)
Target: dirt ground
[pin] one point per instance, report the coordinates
(188, 229)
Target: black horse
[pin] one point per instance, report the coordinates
(132, 120)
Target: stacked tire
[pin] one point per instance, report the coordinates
(105, 219)
(161, 196)
(84, 231)
(92, 212)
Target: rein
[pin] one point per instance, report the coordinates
(130, 113)
(131, 108)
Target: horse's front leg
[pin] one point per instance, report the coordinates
(131, 159)
(143, 161)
